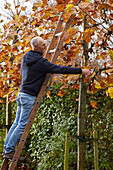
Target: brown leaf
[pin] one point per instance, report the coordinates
(84, 5)
(87, 35)
(77, 86)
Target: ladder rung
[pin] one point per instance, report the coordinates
(58, 34)
(52, 51)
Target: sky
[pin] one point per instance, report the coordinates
(28, 4)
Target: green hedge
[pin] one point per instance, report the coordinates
(46, 141)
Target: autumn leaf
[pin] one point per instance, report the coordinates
(79, 38)
(44, 21)
(97, 86)
(84, 5)
(77, 86)
(69, 7)
(109, 71)
(44, 2)
(61, 93)
(64, 86)
(94, 104)
(48, 94)
(67, 40)
(103, 5)
(22, 8)
(61, 1)
(87, 35)
(110, 92)
(111, 54)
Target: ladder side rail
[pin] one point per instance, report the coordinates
(5, 164)
(61, 39)
(54, 38)
(38, 100)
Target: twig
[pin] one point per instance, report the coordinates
(96, 72)
(95, 20)
(6, 12)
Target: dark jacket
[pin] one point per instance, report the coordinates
(34, 69)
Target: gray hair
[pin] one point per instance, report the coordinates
(35, 41)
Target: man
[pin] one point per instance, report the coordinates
(33, 69)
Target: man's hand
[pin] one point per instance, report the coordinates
(86, 72)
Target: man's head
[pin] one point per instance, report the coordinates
(38, 44)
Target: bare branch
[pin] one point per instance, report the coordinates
(6, 12)
(6, 16)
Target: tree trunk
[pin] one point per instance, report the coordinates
(81, 111)
(81, 125)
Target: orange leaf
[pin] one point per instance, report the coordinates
(64, 86)
(22, 8)
(94, 104)
(79, 38)
(61, 93)
(67, 40)
(87, 35)
(101, 6)
(75, 86)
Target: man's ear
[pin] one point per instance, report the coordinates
(35, 46)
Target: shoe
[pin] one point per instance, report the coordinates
(10, 156)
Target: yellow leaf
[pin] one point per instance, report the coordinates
(110, 92)
(97, 86)
(40, 28)
(47, 14)
(69, 7)
(87, 1)
(111, 54)
(94, 104)
(34, 23)
(26, 42)
(48, 94)
(1, 101)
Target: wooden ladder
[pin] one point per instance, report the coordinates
(50, 50)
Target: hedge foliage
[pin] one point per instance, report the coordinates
(45, 145)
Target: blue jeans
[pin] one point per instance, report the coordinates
(25, 105)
